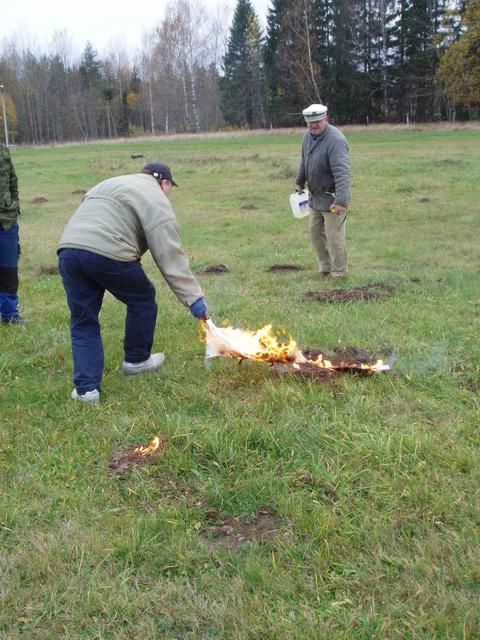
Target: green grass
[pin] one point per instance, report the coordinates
(371, 484)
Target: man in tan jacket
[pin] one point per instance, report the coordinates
(100, 249)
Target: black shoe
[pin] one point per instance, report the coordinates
(14, 320)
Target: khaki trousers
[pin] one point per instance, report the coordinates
(334, 259)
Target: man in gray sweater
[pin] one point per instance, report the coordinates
(100, 249)
(325, 167)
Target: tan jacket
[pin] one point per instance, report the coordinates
(121, 218)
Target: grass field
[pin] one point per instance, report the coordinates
(279, 508)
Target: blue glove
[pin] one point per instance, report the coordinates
(199, 309)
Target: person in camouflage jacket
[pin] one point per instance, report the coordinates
(9, 244)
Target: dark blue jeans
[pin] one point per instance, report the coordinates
(86, 276)
(9, 253)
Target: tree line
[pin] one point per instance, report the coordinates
(368, 60)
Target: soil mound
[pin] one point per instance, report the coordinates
(123, 460)
(49, 271)
(367, 292)
(214, 268)
(275, 268)
(231, 532)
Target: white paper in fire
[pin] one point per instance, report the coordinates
(218, 343)
(259, 345)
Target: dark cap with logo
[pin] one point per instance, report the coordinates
(160, 171)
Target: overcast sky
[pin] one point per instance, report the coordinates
(99, 21)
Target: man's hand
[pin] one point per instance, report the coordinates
(338, 209)
(299, 189)
(199, 309)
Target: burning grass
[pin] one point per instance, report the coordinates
(263, 346)
(122, 461)
(322, 366)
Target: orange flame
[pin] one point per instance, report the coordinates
(263, 345)
(145, 451)
(326, 364)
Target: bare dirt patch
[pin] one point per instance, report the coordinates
(214, 268)
(304, 371)
(343, 356)
(124, 459)
(367, 292)
(473, 386)
(78, 192)
(49, 271)
(275, 268)
(249, 207)
(231, 532)
(467, 374)
(39, 200)
(188, 492)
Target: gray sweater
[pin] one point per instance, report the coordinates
(325, 166)
(121, 218)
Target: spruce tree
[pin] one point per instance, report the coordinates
(242, 87)
(90, 67)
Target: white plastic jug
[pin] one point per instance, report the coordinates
(299, 204)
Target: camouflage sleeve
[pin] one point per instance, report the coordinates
(9, 203)
(8, 177)
(13, 180)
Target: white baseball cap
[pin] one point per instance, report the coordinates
(315, 112)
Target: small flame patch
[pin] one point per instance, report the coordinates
(152, 447)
